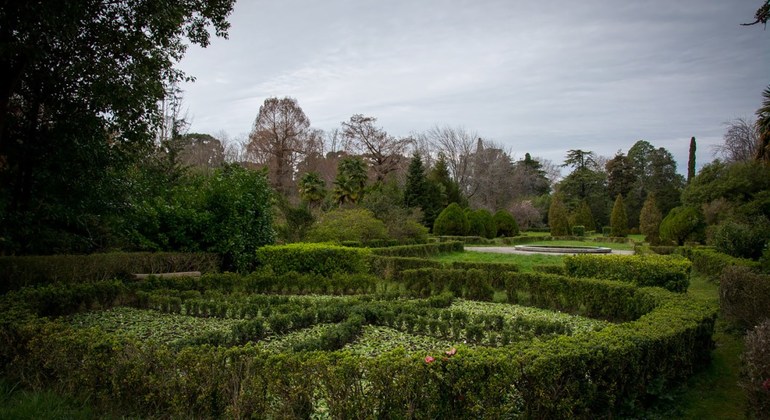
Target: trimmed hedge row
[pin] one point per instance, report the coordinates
(392, 267)
(471, 284)
(18, 272)
(710, 262)
(422, 250)
(672, 273)
(321, 259)
(588, 375)
(468, 240)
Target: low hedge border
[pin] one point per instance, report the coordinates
(598, 374)
(321, 259)
(672, 273)
(18, 272)
(710, 262)
(422, 250)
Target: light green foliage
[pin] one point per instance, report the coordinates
(584, 216)
(506, 224)
(558, 219)
(385, 200)
(669, 272)
(710, 263)
(682, 224)
(619, 219)
(355, 224)
(451, 221)
(320, 259)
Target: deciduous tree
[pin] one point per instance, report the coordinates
(384, 152)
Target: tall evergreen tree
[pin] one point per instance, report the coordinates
(440, 175)
(415, 182)
(619, 219)
(584, 217)
(691, 161)
(557, 217)
(649, 220)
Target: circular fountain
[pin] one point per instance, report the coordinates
(564, 249)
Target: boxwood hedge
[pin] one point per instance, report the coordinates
(672, 273)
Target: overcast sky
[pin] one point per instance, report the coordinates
(539, 76)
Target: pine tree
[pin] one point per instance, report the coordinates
(691, 161)
(440, 175)
(415, 183)
(649, 220)
(619, 219)
(557, 217)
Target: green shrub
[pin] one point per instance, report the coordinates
(578, 230)
(506, 224)
(558, 219)
(451, 221)
(682, 224)
(468, 240)
(322, 259)
(710, 263)
(471, 284)
(741, 240)
(755, 375)
(744, 296)
(421, 250)
(495, 271)
(18, 272)
(354, 224)
(390, 267)
(671, 273)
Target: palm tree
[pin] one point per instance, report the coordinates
(763, 126)
(312, 189)
(351, 180)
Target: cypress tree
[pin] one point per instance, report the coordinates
(649, 220)
(415, 182)
(691, 161)
(584, 217)
(558, 219)
(619, 219)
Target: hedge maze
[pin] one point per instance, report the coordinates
(338, 332)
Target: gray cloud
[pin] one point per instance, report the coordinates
(538, 76)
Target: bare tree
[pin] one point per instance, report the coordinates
(457, 145)
(384, 153)
(740, 141)
(281, 136)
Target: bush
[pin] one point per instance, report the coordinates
(741, 240)
(682, 224)
(506, 224)
(710, 263)
(755, 376)
(322, 259)
(391, 267)
(451, 221)
(578, 230)
(671, 273)
(18, 272)
(488, 221)
(347, 225)
(422, 250)
(744, 296)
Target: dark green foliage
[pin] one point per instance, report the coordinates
(649, 220)
(578, 230)
(506, 224)
(557, 217)
(312, 189)
(672, 273)
(481, 223)
(241, 218)
(471, 284)
(742, 240)
(355, 224)
(682, 224)
(620, 175)
(385, 200)
(451, 221)
(414, 190)
(350, 184)
(743, 296)
(296, 222)
(691, 161)
(742, 185)
(322, 259)
(710, 263)
(388, 267)
(81, 87)
(440, 175)
(619, 219)
(18, 272)
(584, 217)
(756, 368)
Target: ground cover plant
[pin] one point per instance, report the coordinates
(381, 351)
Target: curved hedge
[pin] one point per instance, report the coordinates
(322, 259)
(586, 375)
(672, 273)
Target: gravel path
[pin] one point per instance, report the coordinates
(512, 250)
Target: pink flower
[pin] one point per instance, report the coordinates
(451, 352)
(766, 384)
(429, 359)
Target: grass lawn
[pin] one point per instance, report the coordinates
(525, 262)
